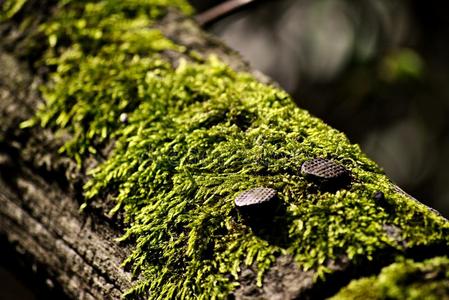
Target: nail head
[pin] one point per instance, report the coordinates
(255, 197)
(326, 171)
(323, 168)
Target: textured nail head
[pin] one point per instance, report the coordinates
(255, 197)
(326, 172)
(323, 168)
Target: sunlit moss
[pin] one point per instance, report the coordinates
(8, 8)
(403, 280)
(195, 136)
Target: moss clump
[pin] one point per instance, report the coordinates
(196, 136)
(97, 49)
(403, 280)
(9, 8)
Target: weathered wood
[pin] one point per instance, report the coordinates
(40, 192)
(39, 216)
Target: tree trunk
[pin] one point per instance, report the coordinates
(41, 191)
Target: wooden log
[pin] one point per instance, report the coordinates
(41, 191)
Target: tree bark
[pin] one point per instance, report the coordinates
(39, 215)
(41, 192)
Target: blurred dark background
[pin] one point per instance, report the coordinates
(377, 70)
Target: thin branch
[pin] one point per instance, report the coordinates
(220, 11)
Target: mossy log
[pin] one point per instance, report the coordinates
(127, 132)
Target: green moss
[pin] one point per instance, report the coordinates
(9, 8)
(195, 137)
(403, 280)
(100, 52)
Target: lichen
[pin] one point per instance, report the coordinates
(195, 136)
(406, 279)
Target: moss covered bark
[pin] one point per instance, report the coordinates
(188, 134)
(407, 279)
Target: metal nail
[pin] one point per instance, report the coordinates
(326, 172)
(255, 197)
